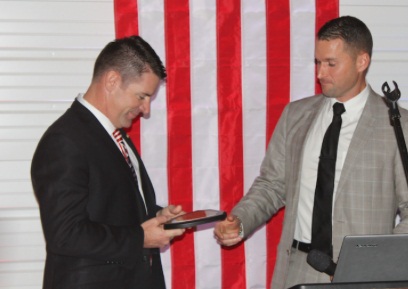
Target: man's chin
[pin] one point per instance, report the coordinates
(127, 123)
(328, 93)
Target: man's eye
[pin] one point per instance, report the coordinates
(332, 64)
(141, 97)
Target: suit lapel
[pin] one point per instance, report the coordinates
(102, 137)
(147, 187)
(118, 164)
(301, 133)
(359, 140)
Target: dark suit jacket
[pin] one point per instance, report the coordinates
(90, 209)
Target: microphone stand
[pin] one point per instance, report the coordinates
(392, 97)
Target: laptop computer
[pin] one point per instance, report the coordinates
(373, 258)
(355, 285)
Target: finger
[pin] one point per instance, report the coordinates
(178, 210)
(231, 234)
(175, 232)
(178, 232)
(224, 227)
(162, 219)
(218, 230)
(229, 242)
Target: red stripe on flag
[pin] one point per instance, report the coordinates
(126, 18)
(230, 139)
(177, 35)
(278, 95)
(127, 24)
(278, 61)
(325, 11)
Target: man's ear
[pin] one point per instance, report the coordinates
(111, 80)
(363, 61)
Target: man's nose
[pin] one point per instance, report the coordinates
(321, 71)
(145, 107)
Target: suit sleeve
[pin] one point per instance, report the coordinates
(60, 177)
(267, 194)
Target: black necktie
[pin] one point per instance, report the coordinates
(323, 202)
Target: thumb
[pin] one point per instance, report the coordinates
(176, 209)
(231, 218)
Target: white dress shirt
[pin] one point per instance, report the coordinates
(354, 108)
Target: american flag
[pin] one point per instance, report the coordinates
(232, 66)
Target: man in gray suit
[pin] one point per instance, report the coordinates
(370, 188)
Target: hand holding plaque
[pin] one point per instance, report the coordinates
(195, 218)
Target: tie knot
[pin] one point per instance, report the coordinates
(338, 108)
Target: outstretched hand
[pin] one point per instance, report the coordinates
(227, 232)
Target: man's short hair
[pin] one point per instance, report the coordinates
(131, 57)
(351, 30)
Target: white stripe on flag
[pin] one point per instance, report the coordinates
(254, 123)
(154, 130)
(204, 137)
(205, 113)
(302, 40)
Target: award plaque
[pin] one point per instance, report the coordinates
(195, 218)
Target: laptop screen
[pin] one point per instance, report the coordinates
(373, 258)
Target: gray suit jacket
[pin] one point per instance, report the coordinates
(371, 189)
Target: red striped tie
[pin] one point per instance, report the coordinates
(118, 136)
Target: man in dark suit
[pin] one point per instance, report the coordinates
(102, 226)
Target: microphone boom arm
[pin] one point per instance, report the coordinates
(392, 98)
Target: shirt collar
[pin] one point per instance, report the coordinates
(354, 105)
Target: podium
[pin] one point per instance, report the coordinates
(354, 285)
